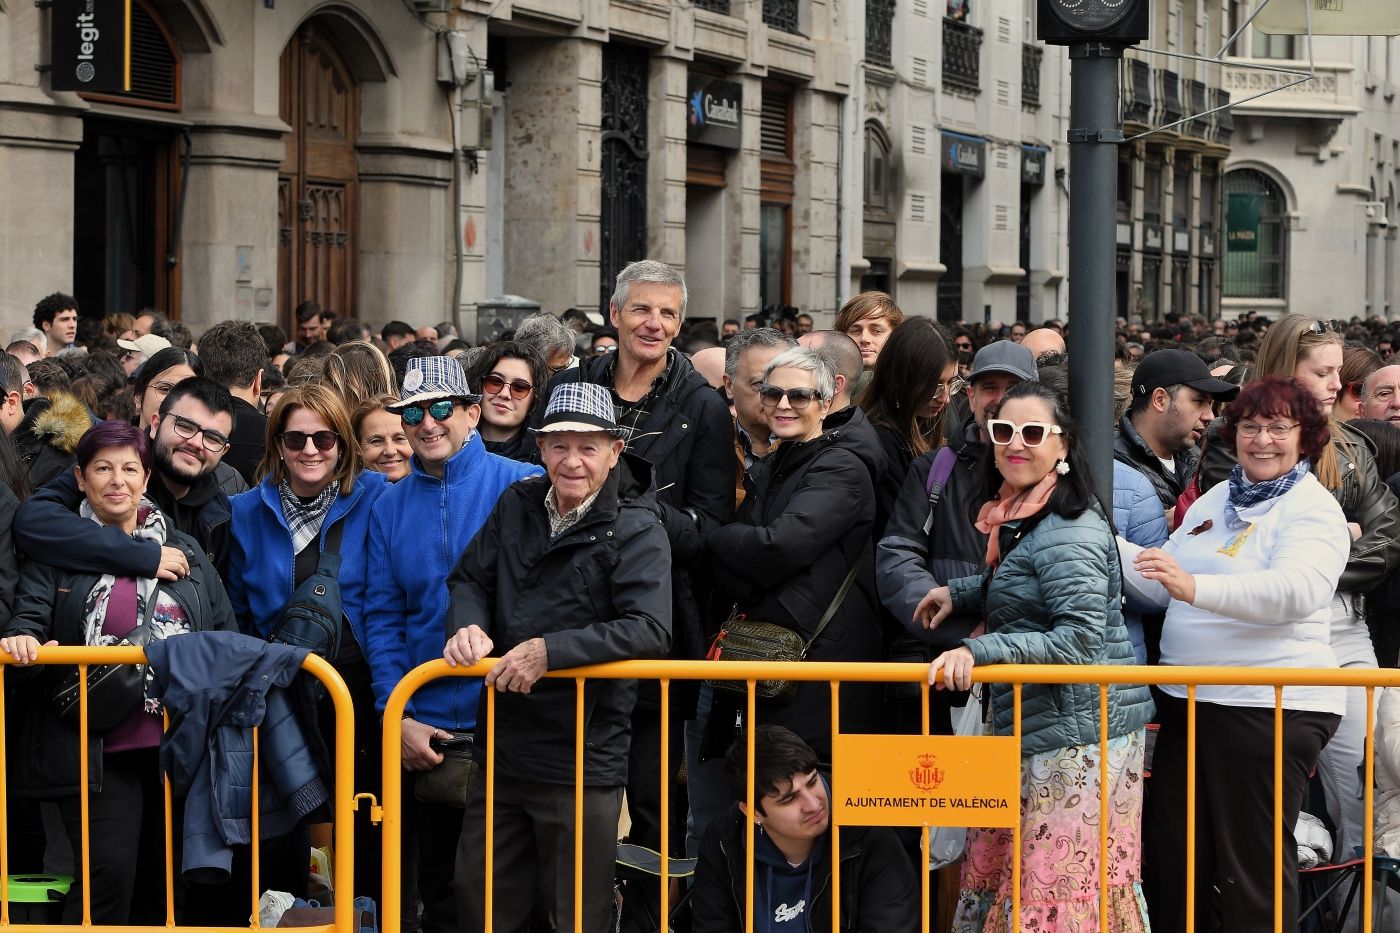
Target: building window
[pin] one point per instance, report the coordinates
(1256, 236)
(1210, 202)
(1181, 195)
(1152, 192)
(877, 169)
(155, 64)
(781, 14)
(879, 23)
(1125, 190)
(962, 55)
(1267, 46)
(776, 190)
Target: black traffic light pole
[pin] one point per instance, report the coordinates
(1094, 136)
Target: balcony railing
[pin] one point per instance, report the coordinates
(962, 56)
(714, 6)
(1031, 56)
(1139, 99)
(781, 14)
(879, 24)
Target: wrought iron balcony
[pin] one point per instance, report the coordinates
(1138, 92)
(1197, 102)
(879, 23)
(714, 6)
(1031, 56)
(962, 56)
(1224, 119)
(781, 14)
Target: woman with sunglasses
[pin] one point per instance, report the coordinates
(805, 523)
(313, 481)
(1247, 580)
(1309, 351)
(509, 376)
(1052, 597)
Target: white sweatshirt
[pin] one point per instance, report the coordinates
(1263, 595)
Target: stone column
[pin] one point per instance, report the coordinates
(405, 208)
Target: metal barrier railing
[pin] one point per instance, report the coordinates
(342, 796)
(836, 674)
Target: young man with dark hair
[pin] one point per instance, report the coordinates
(189, 436)
(347, 329)
(792, 853)
(234, 356)
(57, 316)
(395, 334)
(308, 326)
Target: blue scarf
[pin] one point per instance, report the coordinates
(1244, 494)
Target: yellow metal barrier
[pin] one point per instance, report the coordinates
(343, 798)
(838, 673)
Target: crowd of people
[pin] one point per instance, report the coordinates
(646, 486)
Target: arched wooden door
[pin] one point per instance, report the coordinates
(316, 191)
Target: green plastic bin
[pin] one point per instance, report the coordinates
(38, 898)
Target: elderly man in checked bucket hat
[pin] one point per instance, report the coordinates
(572, 568)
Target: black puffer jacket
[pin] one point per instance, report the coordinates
(1363, 496)
(879, 893)
(599, 592)
(49, 433)
(688, 438)
(806, 519)
(1130, 448)
(50, 605)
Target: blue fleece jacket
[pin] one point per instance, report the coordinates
(418, 531)
(262, 567)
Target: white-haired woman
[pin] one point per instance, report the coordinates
(805, 523)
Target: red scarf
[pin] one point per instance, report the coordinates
(1010, 506)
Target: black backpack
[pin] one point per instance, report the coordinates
(312, 618)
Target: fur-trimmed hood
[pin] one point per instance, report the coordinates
(63, 423)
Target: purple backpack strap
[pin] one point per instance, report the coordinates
(938, 474)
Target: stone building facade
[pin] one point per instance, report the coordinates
(1310, 185)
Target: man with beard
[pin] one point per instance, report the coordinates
(189, 436)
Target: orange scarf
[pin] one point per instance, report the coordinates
(1010, 506)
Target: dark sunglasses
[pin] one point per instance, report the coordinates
(213, 441)
(441, 410)
(294, 441)
(495, 382)
(1320, 327)
(799, 399)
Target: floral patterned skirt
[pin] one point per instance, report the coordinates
(1060, 848)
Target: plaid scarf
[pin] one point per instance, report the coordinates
(1244, 494)
(150, 526)
(304, 519)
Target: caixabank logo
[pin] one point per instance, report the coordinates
(697, 108)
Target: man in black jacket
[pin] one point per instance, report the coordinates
(569, 570)
(792, 886)
(673, 419)
(189, 437)
(1173, 403)
(234, 356)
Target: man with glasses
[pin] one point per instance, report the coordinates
(189, 436)
(419, 528)
(1173, 402)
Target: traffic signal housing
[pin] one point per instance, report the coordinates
(1065, 22)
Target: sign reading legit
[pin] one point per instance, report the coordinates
(91, 46)
(915, 780)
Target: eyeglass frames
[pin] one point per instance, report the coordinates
(213, 441)
(295, 441)
(1033, 433)
(441, 410)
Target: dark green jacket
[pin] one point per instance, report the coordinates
(1056, 598)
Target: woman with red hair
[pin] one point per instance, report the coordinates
(1247, 581)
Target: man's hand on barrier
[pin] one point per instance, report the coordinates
(934, 608)
(1156, 564)
(173, 564)
(467, 646)
(23, 648)
(521, 666)
(952, 670)
(417, 754)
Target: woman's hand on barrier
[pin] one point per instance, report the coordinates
(520, 667)
(417, 754)
(952, 670)
(173, 564)
(23, 648)
(934, 607)
(467, 646)
(1156, 564)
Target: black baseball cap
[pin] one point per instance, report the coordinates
(1167, 368)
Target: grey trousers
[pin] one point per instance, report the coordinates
(534, 856)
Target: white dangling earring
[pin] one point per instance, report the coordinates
(1062, 467)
